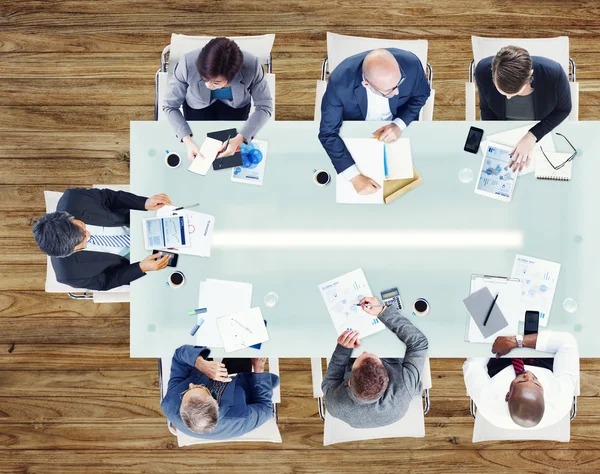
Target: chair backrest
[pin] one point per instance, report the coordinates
(340, 47)
(411, 425)
(266, 433)
(486, 431)
(556, 49)
(259, 46)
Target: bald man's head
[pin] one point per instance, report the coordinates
(381, 70)
(526, 400)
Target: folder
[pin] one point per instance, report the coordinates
(395, 188)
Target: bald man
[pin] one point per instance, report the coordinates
(525, 392)
(385, 85)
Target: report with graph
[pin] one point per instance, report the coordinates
(166, 232)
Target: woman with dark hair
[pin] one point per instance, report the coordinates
(516, 86)
(217, 83)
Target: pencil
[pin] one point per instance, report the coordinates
(490, 310)
(385, 166)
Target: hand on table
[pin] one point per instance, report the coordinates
(213, 370)
(520, 154)
(364, 185)
(388, 133)
(503, 345)
(258, 364)
(154, 262)
(154, 203)
(349, 339)
(234, 144)
(192, 148)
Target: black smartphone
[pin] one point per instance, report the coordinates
(532, 322)
(172, 260)
(473, 140)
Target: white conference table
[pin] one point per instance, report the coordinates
(289, 235)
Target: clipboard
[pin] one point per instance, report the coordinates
(508, 301)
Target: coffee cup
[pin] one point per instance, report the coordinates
(321, 178)
(172, 160)
(420, 307)
(176, 279)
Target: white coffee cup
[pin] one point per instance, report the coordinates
(172, 159)
(321, 178)
(176, 279)
(420, 307)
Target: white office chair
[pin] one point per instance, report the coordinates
(340, 47)
(411, 425)
(266, 433)
(260, 46)
(486, 431)
(116, 295)
(556, 49)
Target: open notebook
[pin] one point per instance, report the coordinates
(543, 169)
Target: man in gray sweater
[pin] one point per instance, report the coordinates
(370, 392)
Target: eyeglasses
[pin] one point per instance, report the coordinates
(570, 158)
(389, 93)
(193, 388)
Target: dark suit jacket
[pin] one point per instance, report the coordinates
(246, 403)
(551, 94)
(98, 270)
(346, 99)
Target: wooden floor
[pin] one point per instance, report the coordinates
(72, 76)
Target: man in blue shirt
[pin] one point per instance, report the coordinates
(203, 401)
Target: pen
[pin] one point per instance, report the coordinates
(196, 327)
(385, 166)
(243, 326)
(186, 207)
(196, 311)
(226, 145)
(490, 310)
(371, 305)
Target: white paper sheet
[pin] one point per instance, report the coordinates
(201, 229)
(539, 279)
(368, 155)
(543, 169)
(209, 150)
(242, 330)
(399, 159)
(220, 298)
(511, 137)
(509, 303)
(341, 296)
(255, 174)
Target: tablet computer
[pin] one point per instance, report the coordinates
(496, 180)
(166, 232)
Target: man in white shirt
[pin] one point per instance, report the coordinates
(87, 238)
(525, 392)
(381, 85)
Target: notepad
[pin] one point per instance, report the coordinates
(399, 159)
(543, 169)
(479, 304)
(242, 330)
(209, 150)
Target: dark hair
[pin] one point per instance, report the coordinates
(369, 380)
(57, 235)
(220, 57)
(511, 69)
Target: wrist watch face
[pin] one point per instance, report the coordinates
(519, 340)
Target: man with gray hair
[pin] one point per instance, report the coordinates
(204, 401)
(87, 238)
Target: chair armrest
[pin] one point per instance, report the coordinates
(317, 376)
(470, 101)
(274, 369)
(426, 375)
(574, 115)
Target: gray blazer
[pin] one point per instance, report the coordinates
(404, 383)
(186, 84)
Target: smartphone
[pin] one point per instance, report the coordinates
(172, 260)
(532, 322)
(473, 140)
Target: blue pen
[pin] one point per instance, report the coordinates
(196, 327)
(385, 167)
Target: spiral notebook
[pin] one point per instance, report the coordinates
(543, 169)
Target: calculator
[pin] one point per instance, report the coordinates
(391, 297)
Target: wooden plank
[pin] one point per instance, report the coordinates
(22, 304)
(23, 277)
(43, 330)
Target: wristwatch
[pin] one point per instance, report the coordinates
(519, 340)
